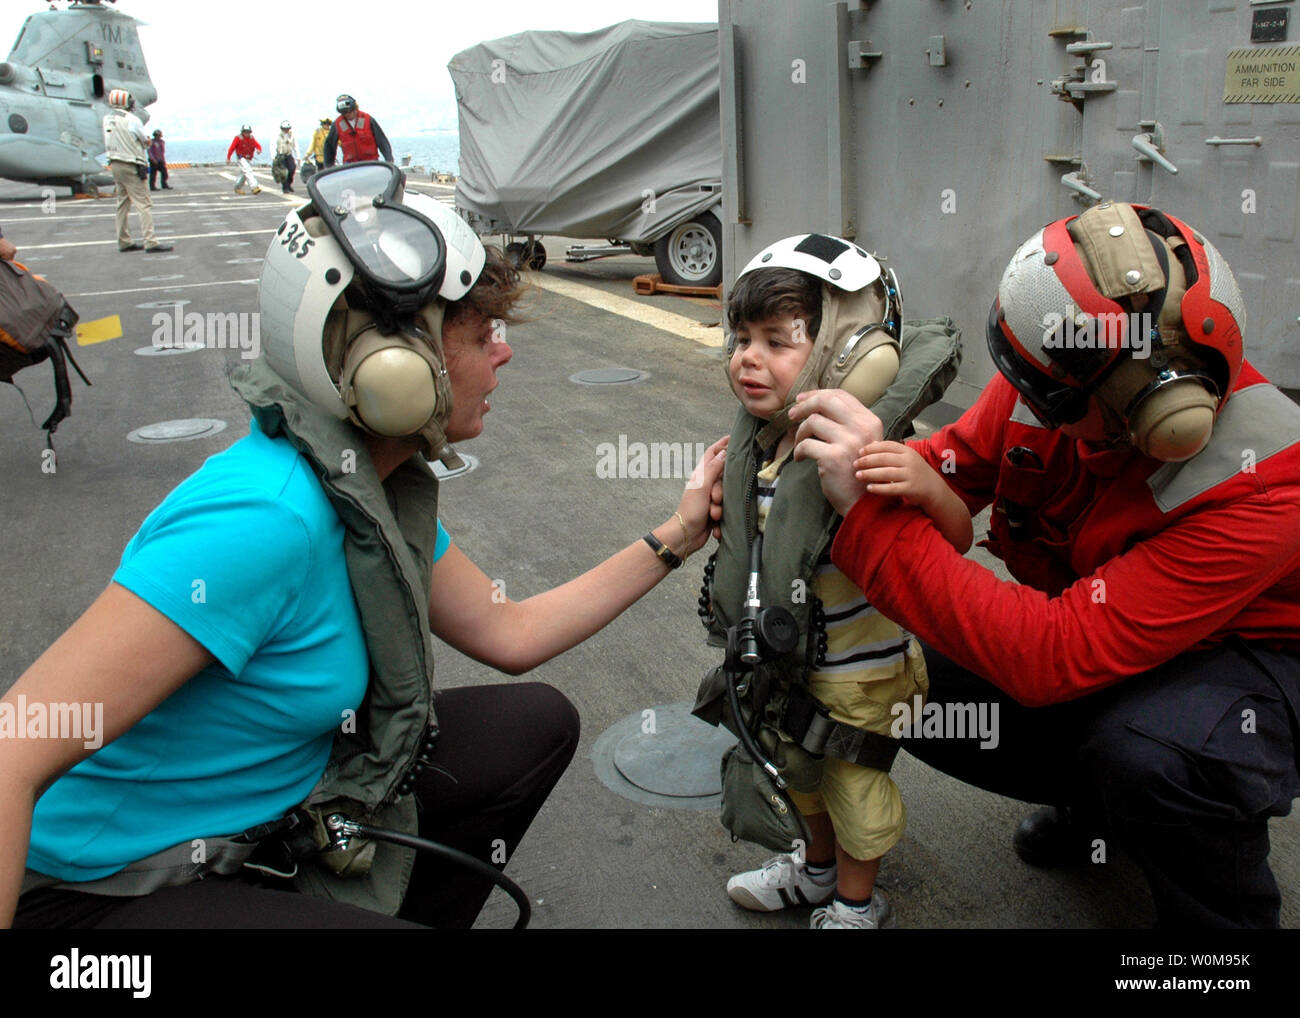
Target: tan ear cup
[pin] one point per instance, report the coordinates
(868, 379)
(390, 384)
(1174, 423)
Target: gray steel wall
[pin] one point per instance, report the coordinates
(944, 163)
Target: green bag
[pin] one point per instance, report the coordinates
(754, 809)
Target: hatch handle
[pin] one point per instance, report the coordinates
(1074, 181)
(1216, 140)
(1145, 144)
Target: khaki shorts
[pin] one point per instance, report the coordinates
(865, 806)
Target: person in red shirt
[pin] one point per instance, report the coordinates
(246, 147)
(1145, 485)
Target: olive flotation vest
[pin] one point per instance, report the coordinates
(800, 526)
(356, 140)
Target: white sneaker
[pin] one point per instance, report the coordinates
(783, 882)
(838, 916)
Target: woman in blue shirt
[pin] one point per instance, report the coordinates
(230, 642)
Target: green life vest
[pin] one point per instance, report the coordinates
(390, 534)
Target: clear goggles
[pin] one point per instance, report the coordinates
(399, 254)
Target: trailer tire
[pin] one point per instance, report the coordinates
(690, 254)
(515, 254)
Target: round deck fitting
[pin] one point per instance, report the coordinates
(607, 376)
(663, 756)
(443, 474)
(177, 431)
(166, 351)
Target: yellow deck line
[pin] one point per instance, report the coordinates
(667, 321)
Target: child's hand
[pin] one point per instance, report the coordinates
(891, 468)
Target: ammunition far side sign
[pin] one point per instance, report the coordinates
(1264, 75)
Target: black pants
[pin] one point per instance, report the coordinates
(290, 166)
(154, 170)
(1181, 767)
(501, 751)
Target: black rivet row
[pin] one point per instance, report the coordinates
(817, 641)
(705, 601)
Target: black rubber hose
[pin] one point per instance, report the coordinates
(461, 858)
(742, 729)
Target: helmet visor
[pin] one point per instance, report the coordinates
(397, 251)
(1053, 402)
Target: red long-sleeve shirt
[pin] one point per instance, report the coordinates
(1141, 560)
(245, 147)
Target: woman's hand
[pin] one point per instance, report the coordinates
(473, 613)
(701, 504)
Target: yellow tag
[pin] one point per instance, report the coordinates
(1266, 75)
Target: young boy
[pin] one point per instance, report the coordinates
(857, 813)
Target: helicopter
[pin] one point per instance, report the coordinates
(54, 90)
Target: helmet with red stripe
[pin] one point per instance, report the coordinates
(1128, 304)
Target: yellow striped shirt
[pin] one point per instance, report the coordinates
(861, 644)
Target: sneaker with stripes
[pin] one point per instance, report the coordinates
(782, 882)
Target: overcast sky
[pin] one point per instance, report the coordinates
(218, 64)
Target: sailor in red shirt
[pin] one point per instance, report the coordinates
(245, 146)
(1145, 484)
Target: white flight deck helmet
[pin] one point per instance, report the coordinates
(374, 357)
(857, 343)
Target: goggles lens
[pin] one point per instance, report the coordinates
(396, 250)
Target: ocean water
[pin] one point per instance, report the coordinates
(434, 151)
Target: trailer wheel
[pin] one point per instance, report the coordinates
(691, 253)
(515, 254)
(537, 257)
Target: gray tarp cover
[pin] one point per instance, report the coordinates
(608, 134)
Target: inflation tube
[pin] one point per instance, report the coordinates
(351, 828)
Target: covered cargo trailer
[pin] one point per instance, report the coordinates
(943, 134)
(610, 135)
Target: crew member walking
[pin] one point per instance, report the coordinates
(124, 142)
(286, 153)
(158, 161)
(245, 146)
(357, 133)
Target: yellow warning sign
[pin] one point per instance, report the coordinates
(1264, 75)
(99, 330)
